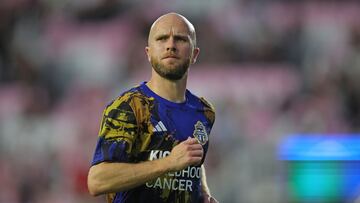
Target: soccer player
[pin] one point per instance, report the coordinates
(154, 137)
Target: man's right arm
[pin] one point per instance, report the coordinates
(109, 177)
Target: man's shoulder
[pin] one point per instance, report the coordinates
(207, 104)
(204, 102)
(132, 97)
(206, 107)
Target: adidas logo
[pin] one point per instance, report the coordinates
(159, 127)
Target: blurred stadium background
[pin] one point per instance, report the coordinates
(271, 68)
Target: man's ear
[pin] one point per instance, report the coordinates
(195, 54)
(147, 51)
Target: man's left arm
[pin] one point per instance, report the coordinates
(205, 188)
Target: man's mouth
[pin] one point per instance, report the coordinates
(171, 56)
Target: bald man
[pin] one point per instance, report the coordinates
(154, 137)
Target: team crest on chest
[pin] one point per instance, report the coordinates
(200, 133)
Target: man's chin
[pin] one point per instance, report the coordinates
(172, 76)
(171, 65)
(171, 71)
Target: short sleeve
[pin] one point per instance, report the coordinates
(117, 134)
(209, 111)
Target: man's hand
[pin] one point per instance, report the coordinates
(187, 153)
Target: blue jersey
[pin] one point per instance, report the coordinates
(141, 126)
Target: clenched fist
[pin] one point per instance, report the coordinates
(187, 153)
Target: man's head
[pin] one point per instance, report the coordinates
(172, 46)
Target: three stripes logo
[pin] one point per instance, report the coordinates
(159, 127)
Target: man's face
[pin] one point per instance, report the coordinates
(171, 48)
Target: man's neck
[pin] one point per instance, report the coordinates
(171, 90)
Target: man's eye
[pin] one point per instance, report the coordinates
(161, 39)
(181, 39)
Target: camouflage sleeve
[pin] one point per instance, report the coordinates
(209, 111)
(118, 132)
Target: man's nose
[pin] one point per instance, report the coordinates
(170, 45)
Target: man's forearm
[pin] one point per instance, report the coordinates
(204, 184)
(114, 177)
(205, 188)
